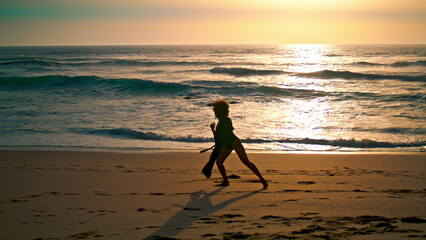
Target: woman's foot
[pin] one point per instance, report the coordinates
(223, 184)
(265, 184)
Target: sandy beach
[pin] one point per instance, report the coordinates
(141, 195)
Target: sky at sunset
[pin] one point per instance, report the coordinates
(114, 22)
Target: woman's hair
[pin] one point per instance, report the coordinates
(221, 108)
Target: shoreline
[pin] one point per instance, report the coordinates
(137, 195)
(142, 150)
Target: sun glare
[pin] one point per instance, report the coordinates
(307, 57)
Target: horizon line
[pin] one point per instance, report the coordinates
(202, 44)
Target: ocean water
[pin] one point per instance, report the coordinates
(283, 97)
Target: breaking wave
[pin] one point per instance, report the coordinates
(134, 134)
(140, 86)
(351, 143)
(93, 85)
(58, 81)
(325, 74)
(127, 133)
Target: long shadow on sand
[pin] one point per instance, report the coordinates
(195, 209)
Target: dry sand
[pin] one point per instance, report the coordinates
(117, 195)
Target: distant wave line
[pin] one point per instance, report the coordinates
(109, 62)
(46, 61)
(395, 64)
(348, 75)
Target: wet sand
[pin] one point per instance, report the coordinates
(141, 195)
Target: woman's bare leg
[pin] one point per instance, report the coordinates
(223, 154)
(241, 152)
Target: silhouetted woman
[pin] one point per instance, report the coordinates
(226, 141)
